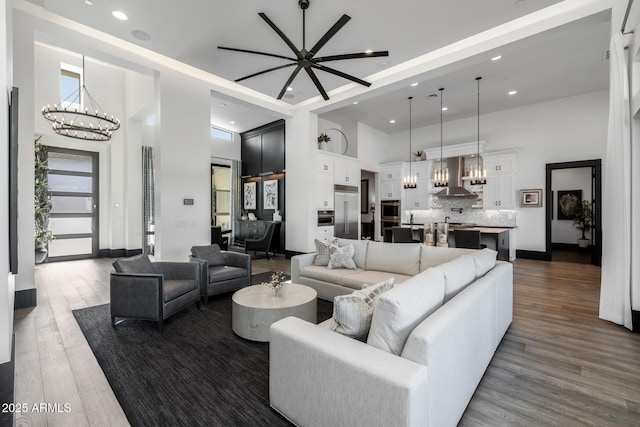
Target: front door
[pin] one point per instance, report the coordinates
(73, 183)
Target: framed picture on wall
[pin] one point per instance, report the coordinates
(567, 202)
(531, 198)
(249, 195)
(270, 194)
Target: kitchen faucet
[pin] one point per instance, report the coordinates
(446, 219)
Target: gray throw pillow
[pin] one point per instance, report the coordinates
(352, 313)
(136, 264)
(322, 253)
(210, 253)
(341, 257)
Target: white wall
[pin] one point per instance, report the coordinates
(223, 149)
(563, 231)
(561, 130)
(6, 278)
(183, 168)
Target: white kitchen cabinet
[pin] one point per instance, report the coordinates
(419, 198)
(500, 190)
(325, 165)
(391, 181)
(347, 172)
(325, 234)
(325, 190)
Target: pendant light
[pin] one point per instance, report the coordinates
(479, 175)
(71, 120)
(410, 181)
(441, 175)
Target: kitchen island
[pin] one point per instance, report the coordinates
(494, 238)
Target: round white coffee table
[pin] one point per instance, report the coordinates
(255, 308)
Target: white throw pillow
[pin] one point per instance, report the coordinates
(484, 260)
(341, 257)
(352, 313)
(398, 311)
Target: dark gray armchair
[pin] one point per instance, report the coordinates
(141, 289)
(221, 271)
(266, 242)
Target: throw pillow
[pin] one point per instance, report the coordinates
(210, 253)
(322, 253)
(139, 264)
(341, 257)
(352, 313)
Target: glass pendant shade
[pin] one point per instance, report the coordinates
(410, 181)
(479, 174)
(441, 174)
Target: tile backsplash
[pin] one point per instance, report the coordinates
(491, 218)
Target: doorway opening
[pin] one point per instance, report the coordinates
(73, 184)
(569, 184)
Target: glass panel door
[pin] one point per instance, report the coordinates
(73, 183)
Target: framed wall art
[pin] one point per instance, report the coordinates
(249, 195)
(567, 202)
(270, 194)
(531, 198)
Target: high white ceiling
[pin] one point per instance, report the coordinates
(566, 61)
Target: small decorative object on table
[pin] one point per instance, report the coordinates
(276, 283)
(323, 141)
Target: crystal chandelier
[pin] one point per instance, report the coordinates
(410, 181)
(479, 174)
(441, 176)
(80, 116)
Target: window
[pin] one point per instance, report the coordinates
(221, 134)
(221, 196)
(70, 84)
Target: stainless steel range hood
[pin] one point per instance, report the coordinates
(455, 188)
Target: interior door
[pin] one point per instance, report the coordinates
(73, 184)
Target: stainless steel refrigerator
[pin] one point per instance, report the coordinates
(347, 212)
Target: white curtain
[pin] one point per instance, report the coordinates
(615, 289)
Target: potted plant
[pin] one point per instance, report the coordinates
(583, 221)
(42, 202)
(419, 155)
(323, 140)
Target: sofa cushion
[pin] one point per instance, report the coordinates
(403, 258)
(359, 250)
(322, 253)
(136, 264)
(218, 273)
(458, 274)
(352, 313)
(209, 253)
(484, 260)
(327, 275)
(341, 257)
(176, 288)
(360, 278)
(400, 309)
(432, 256)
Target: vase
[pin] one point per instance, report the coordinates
(41, 254)
(323, 145)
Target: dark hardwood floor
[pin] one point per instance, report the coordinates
(559, 364)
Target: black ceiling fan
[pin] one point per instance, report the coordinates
(306, 58)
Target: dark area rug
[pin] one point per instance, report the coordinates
(197, 373)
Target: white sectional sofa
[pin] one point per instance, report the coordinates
(375, 262)
(442, 332)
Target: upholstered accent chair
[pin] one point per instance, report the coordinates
(265, 243)
(221, 271)
(141, 289)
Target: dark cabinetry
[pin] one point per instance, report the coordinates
(273, 150)
(262, 150)
(251, 153)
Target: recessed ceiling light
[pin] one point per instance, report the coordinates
(383, 64)
(495, 58)
(414, 84)
(392, 121)
(355, 102)
(232, 122)
(368, 51)
(513, 92)
(119, 15)
(89, 2)
(141, 35)
(289, 89)
(445, 108)
(223, 105)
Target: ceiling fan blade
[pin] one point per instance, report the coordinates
(351, 56)
(289, 80)
(256, 52)
(332, 32)
(281, 34)
(264, 71)
(341, 74)
(316, 82)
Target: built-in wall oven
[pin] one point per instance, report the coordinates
(390, 216)
(326, 218)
